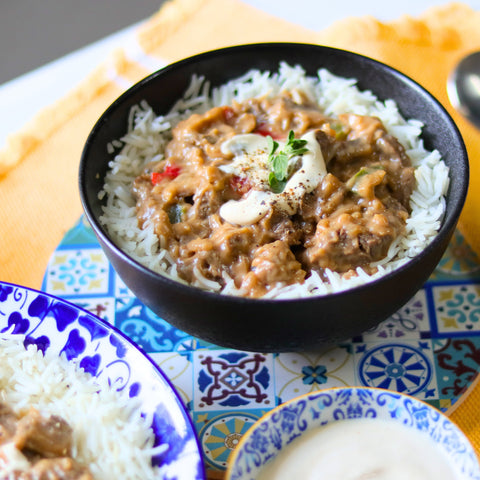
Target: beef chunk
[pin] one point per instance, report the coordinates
(50, 437)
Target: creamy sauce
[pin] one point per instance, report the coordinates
(251, 160)
(361, 449)
(210, 202)
(12, 459)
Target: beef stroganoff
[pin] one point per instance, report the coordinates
(274, 185)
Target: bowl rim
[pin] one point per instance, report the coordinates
(447, 224)
(159, 372)
(306, 396)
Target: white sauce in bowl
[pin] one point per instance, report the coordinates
(361, 449)
(251, 160)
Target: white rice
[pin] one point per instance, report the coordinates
(148, 134)
(110, 436)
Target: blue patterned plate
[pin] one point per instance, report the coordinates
(280, 426)
(103, 351)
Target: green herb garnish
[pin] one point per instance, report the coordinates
(277, 178)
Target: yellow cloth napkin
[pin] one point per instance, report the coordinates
(38, 168)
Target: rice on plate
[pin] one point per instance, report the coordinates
(110, 436)
(148, 136)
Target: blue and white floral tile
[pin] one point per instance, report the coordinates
(457, 363)
(299, 373)
(78, 271)
(220, 432)
(407, 367)
(230, 379)
(457, 308)
(145, 328)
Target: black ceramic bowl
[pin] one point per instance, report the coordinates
(276, 325)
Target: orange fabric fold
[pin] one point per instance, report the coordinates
(39, 171)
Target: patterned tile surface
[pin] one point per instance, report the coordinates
(430, 348)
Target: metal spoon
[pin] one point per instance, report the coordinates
(463, 88)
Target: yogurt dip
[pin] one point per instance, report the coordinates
(361, 449)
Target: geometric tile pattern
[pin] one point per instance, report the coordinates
(430, 348)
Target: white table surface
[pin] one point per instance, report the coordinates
(22, 97)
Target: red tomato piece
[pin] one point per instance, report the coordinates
(228, 113)
(240, 185)
(170, 172)
(263, 130)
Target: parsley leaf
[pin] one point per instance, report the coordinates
(279, 166)
(276, 185)
(277, 178)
